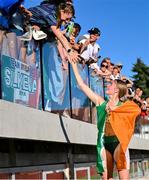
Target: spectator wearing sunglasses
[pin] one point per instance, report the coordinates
(104, 69)
(101, 71)
(108, 61)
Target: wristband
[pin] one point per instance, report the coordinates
(69, 50)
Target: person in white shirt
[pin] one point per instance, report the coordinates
(90, 48)
(115, 73)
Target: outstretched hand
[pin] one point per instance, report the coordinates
(73, 57)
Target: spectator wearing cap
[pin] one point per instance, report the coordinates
(89, 47)
(120, 66)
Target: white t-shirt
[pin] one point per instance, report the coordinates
(91, 51)
(115, 77)
(94, 66)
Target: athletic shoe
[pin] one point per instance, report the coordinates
(38, 35)
(26, 37)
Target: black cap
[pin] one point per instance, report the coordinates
(94, 31)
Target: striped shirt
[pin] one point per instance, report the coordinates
(43, 15)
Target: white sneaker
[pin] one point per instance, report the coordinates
(27, 36)
(38, 35)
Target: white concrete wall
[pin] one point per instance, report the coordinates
(18, 121)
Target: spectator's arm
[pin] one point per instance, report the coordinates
(72, 54)
(100, 73)
(84, 45)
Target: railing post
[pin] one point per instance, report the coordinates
(41, 76)
(90, 102)
(0, 78)
(71, 162)
(70, 93)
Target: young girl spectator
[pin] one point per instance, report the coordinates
(50, 17)
(71, 32)
(115, 73)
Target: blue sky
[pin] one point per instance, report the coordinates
(124, 25)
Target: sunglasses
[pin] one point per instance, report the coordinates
(106, 66)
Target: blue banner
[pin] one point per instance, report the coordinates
(20, 82)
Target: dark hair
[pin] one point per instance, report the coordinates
(94, 30)
(76, 25)
(115, 67)
(103, 61)
(106, 58)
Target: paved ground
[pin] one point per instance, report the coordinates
(141, 178)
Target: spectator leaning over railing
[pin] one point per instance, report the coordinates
(103, 71)
(115, 73)
(89, 46)
(110, 67)
(72, 39)
(108, 61)
(119, 66)
(112, 143)
(71, 31)
(50, 18)
(99, 74)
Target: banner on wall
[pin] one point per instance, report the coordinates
(20, 83)
(56, 80)
(80, 102)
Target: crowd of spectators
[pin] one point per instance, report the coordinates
(54, 20)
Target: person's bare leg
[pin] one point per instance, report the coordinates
(33, 57)
(1, 39)
(123, 173)
(62, 55)
(12, 43)
(110, 165)
(104, 174)
(23, 52)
